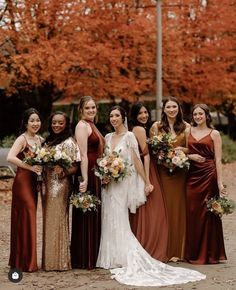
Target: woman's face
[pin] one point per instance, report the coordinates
(58, 123)
(171, 109)
(116, 118)
(199, 116)
(34, 123)
(89, 110)
(143, 116)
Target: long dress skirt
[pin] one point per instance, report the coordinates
(204, 239)
(86, 227)
(174, 192)
(149, 224)
(23, 249)
(56, 252)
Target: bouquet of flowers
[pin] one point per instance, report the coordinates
(111, 167)
(165, 153)
(220, 205)
(85, 201)
(37, 156)
(59, 157)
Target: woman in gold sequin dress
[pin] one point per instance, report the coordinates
(57, 187)
(173, 183)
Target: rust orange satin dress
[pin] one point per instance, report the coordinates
(174, 192)
(149, 224)
(204, 237)
(23, 253)
(86, 227)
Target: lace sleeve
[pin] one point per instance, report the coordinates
(136, 195)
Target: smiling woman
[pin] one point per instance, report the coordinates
(86, 227)
(24, 195)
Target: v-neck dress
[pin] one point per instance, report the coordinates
(204, 236)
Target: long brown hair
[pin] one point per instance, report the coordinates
(179, 124)
(206, 109)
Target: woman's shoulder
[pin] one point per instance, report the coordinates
(215, 133)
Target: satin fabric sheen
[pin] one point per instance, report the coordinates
(204, 240)
(86, 227)
(23, 253)
(149, 224)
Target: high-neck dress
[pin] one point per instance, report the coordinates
(204, 239)
(86, 227)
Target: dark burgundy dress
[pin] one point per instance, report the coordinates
(23, 253)
(86, 227)
(149, 224)
(204, 239)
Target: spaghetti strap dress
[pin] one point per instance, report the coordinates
(23, 249)
(204, 237)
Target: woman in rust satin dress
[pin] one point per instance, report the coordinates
(173, 183)
(23, 249)
(204, 239)
(149, 224)
(86, 227)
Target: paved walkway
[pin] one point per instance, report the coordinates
(219, 277)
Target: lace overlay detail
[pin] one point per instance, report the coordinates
(119, 248)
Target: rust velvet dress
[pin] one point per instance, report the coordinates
(23, 253)
(86, 227)
(204, 239)
(149, 224)
(174, 192)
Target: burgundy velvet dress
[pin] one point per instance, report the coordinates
(23, 253)
(86, 227)
(204, 237)
(149, 224)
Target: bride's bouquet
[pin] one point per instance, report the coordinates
(220, 206)
(165, 153)
(111, 167)
(85, 201)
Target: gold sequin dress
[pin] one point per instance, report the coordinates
(56, 254)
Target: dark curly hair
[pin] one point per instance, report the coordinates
(25, 118)
(179, 124)
(206, 109)
(134, 111)
(54, 139)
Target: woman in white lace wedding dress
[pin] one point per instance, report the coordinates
(119, 250)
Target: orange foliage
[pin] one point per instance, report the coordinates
(107, 48)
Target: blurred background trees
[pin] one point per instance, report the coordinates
(59, 50)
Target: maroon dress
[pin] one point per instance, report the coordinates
(23, 253)
(204, 237)
(149, 224)
(86, 227)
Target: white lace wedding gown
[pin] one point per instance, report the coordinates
(119, 250)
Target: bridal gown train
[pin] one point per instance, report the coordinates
(119, 250)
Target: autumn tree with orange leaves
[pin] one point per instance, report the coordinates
(107, 49)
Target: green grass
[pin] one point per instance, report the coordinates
(228, 149)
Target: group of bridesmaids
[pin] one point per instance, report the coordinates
(174, 223)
